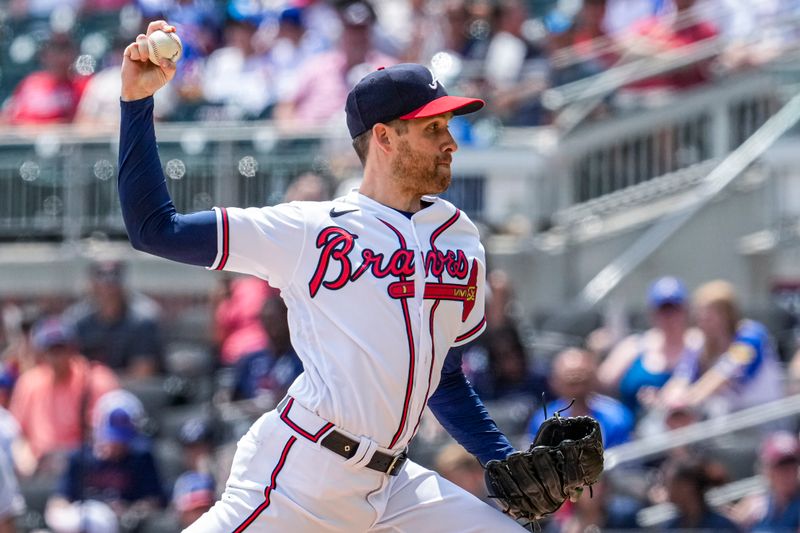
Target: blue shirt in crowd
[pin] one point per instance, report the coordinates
(131, 478)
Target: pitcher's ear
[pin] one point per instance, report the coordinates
(382, 137)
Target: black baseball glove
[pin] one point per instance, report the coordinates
(565, 457)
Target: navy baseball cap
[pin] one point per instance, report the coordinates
(405, 91)
(119, 427)
(52, 332)
(666, 291)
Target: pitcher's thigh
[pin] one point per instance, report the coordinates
(281, 482)
(422, 501)
(253, 499)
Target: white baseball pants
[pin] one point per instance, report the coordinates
(282, 480)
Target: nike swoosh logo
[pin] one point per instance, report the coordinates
(335, 213)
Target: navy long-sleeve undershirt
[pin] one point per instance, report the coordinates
(152, 222)
(462, 413)
(155, 226)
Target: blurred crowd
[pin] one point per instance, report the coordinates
(295, 60)
(108, 418)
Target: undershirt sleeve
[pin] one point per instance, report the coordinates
(151, 220)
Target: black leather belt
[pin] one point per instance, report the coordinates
(341, 444)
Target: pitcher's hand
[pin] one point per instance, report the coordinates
(140, 76)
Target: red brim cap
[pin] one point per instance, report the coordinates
(458, 105)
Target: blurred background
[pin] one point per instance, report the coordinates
(634, 177)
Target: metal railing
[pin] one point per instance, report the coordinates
(657, 444)
(600, 159)
(726, 425)
(719, 178)
(61, 183)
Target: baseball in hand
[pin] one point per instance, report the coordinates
(163, 45)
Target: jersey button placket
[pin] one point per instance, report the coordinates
(423, 351)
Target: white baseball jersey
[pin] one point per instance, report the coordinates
(375, 301)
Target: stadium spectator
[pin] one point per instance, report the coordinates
(757, 34)
(19, 354)
(668, 33)
(497, 365)
(622, 15)
(604, 511)
(50, 95)
(118, 327)
(581, 48)
(737, 366)
(268, 373)
(458, 466)
(12, 504)
(308, 187)
(104, 6)
(516, 70)
(778, 509)
(117, 468)
(238, 329)
(21, 9)
(237, 77)
(687, 482)
(500, 302)
(90, 516)
(325, 79)
(417, 26)
(293, 46)
(65, 379)
(197, 438)
(456, 28)
(321, 20)
(642, 363)
(14, 445)
(573, 380)
(193, 495)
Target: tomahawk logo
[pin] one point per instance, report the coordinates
(435, 81)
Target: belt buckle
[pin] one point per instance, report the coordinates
(398, 461)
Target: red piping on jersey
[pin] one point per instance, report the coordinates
(411, 351)
(272, 484)
(438, 231)
(471, 332)
(434, 236)
(225, 239)
(313, 438)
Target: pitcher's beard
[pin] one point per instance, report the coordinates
(419, 173)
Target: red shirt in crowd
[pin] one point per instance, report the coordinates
(42, 98)
(237, 319)
(49, 412)
(667, 38)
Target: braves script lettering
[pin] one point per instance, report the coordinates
(335, 267)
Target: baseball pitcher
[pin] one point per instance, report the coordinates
(379, 284)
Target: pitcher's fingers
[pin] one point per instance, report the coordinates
(132, 51)
(159, 25)
(141, 43)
